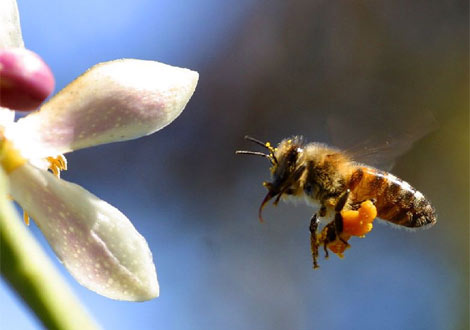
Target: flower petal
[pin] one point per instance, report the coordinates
(113, 101)
(7, 117)
(25, 80)
(10, 29)
(97, 244)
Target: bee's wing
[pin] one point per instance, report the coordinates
(379, 141)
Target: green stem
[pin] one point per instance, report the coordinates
(31, 274)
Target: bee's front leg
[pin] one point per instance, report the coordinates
(314, 240)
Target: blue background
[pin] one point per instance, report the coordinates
(272, 69)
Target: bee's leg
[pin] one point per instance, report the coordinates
(338, 218)
(330, 237)
(313, 239)
(332, 233)
(323, 240)
(343, 198)
(338, 224)
(326, 250)
(331, 240)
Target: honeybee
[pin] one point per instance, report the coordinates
(349, 194)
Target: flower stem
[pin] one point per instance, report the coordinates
(31, 274)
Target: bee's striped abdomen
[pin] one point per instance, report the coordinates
(396, 201)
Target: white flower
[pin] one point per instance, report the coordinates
(112, 101)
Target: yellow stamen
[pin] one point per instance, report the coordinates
(62, 162)
(11, 159)
(57, 164)
(26, 218)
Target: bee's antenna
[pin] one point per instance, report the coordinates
(271, 158)
(266, 145)
(252, 139)
(255, 153)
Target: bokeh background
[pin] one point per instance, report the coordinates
(272, 69)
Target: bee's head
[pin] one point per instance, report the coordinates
(284, 167)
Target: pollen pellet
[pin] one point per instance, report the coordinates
(338, 247)
(368, 211)
(359, 223)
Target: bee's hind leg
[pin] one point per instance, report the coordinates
(330, 236)
(338, 218)
(343, 198)
(314, 240)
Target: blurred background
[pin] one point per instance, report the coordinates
(272, 69)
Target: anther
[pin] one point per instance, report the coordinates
(57, 164)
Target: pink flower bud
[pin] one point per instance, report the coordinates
(25, 80)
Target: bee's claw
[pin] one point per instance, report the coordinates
(326, 251)
(314, 240)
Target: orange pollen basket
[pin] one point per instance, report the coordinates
(359, 223)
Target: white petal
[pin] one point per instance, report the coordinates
(96, 242)
(7, 117)
(113, 101)
(10, 29)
